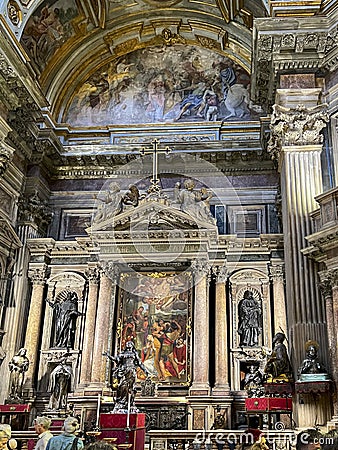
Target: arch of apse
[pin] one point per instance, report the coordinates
(94, 47)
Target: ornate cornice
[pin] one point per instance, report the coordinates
(311, 45)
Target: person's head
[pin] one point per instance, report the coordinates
(71, 425)
(330, 440)
(22, 352)
(5, 435)
(42, 424)
(308, 439)
(99, 445)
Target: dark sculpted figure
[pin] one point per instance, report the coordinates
(124, 377)
(278, 367)
(250, 320)
(311, 364)
(59, 384)
(65, 316)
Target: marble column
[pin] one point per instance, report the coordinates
(87, 363)
(277, 277)
(296, 141)
(200, 379)
(38, 278)
(221, 335)
(104, 305)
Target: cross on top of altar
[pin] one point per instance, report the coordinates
(155, 151)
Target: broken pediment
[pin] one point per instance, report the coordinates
(152, 215)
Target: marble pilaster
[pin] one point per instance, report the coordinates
(38, 278)
(200, 380)
(221, 335)
(277, 277)
(89, 331)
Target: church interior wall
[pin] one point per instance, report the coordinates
(68, 132)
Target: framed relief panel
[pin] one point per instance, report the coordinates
(155, 313)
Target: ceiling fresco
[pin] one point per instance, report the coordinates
(48, 29)
(163, 84)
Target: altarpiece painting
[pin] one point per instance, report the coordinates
(155, 313)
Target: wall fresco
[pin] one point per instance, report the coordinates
(175, 83)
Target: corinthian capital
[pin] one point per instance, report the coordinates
(277, 272)
(93, 275)
(296, 126)
(37, 275)
(221, 273)
(200, 267)
(111, 270)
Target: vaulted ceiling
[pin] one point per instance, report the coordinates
(68, 40)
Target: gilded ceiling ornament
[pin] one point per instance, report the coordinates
(162, 3)
(14, 13)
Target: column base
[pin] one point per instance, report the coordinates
(221, 390)
(198, 389)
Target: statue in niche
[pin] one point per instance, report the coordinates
(250, 320)
(65, 317)
(311, 367)
(124, 378)
(253, 381)
(278, 367)
(59, 385)
(111, 204)
(196, 204)
(18, 366)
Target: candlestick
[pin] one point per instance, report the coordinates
(128, 412)
(98, 410)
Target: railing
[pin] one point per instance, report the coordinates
(217, 439)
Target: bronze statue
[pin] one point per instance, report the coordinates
(18, 365)
(278, 366)
(250, 320)
(65, 316)
(59, 385)
(124, 377)
(311, 364)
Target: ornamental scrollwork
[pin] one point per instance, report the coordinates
(6, 154)
(296, 126)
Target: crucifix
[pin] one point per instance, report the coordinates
(155, 151)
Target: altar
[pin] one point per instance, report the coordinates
(125, 428)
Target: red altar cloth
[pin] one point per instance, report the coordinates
(268, 404)
(115, 426)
